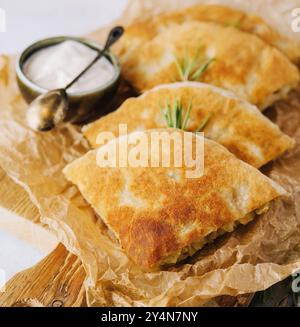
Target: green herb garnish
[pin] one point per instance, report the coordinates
(191, 69)
(204, 122)
(175, 117)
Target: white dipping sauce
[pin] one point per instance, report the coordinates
(56, 66)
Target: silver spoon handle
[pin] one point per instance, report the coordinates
(113, 36)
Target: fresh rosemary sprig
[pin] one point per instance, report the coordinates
(187, 114)
(204, 122)
(175, 117)
(173, 114)
(191, 69)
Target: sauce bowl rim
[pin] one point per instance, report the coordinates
(51, 41)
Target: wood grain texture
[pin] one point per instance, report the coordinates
(55, 281)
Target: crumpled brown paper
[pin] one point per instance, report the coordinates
(251, 259)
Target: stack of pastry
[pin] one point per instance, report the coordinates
(219, 63)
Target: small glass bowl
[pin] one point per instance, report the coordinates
(82, 105)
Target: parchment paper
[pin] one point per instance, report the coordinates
(250, 259)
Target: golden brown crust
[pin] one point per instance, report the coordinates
(145, 30)
(243, 63)
(154, 214)
(237, 125)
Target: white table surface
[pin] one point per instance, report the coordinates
(26, 22)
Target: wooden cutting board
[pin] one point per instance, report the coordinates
(56, 281)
